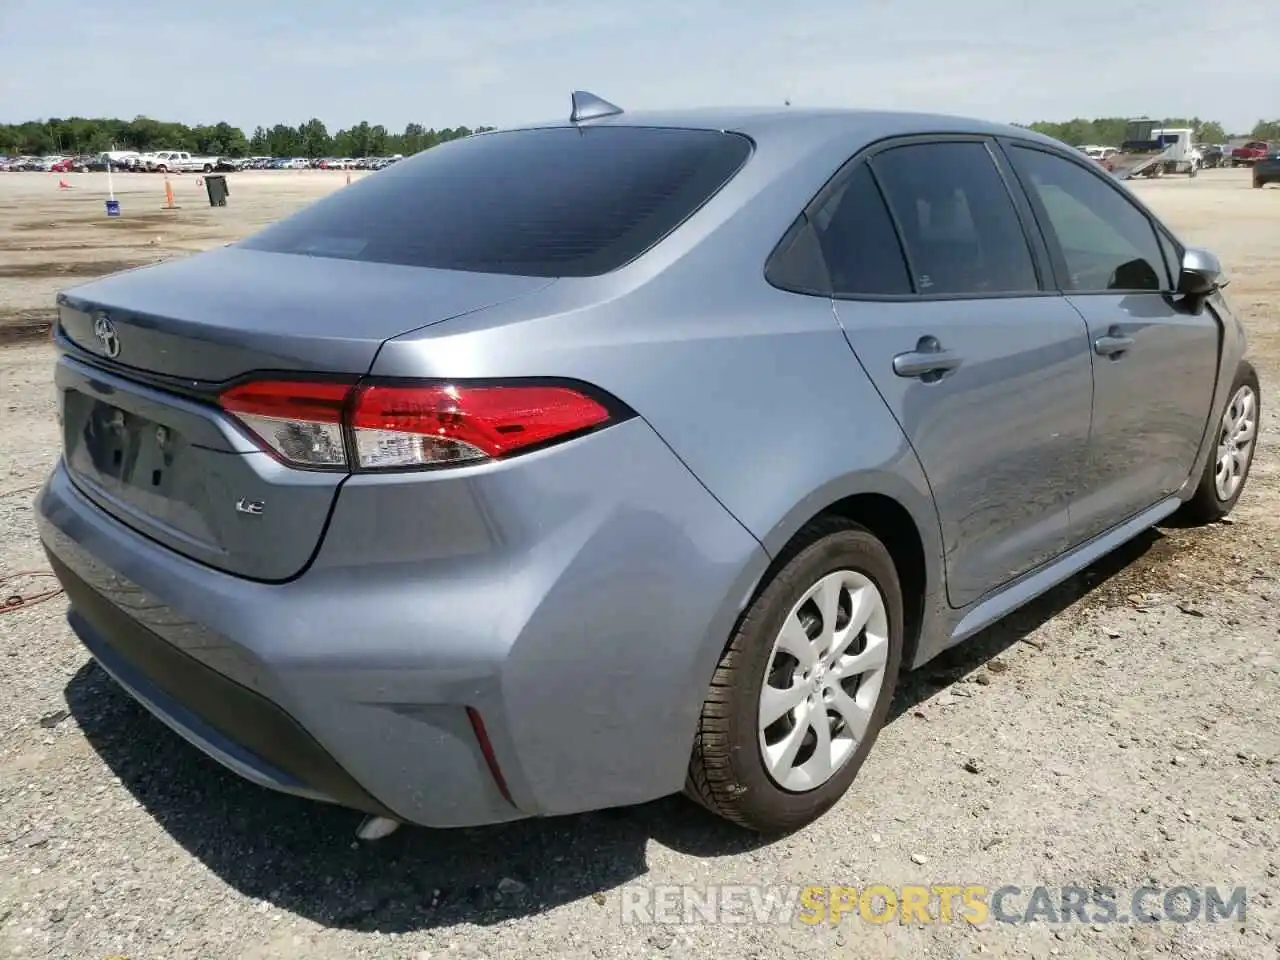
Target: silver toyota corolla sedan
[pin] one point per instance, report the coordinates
(570, 466)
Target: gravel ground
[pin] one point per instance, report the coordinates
(1119, 731)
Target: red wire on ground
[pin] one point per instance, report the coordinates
(18, 601)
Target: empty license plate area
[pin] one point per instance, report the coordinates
(145, 461)
(122, 449)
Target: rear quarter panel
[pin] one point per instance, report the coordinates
(754, 388)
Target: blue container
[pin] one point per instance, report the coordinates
(113, 208)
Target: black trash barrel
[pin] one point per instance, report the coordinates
(216, 186)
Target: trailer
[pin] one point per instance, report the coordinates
(1150, 150)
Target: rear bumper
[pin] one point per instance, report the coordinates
(231, 723)
(576, 599)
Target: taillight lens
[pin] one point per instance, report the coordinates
(301, 422)
(398, 426)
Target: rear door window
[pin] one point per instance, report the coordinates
(959, 225)
(556, 202)
(858, 240)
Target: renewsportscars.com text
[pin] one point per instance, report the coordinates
(929, 904)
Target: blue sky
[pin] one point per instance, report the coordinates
(446, 62)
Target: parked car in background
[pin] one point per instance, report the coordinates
(1267, 170)
(70, 165)
(1096, 153)
(124, 160)
(1213, 155)
(1250, 153)
(180, 161)
(651, 472)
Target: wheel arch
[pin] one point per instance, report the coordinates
(900, 513)
(892, 524)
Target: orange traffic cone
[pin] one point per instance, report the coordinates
(348, 179)
(168, 195)
(199, 181)
(62, 184)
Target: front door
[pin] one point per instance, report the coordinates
(1155, 364)
(988, 374)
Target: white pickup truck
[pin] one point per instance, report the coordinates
(174, 161)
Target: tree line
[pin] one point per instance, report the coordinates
(81, 135)
(1109, 131)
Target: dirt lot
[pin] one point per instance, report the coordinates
(1123, 730)
(50, 237)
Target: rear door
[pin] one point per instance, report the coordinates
(1155, 363)
(939, 288)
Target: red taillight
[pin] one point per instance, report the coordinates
(301, 422)
(397, 426)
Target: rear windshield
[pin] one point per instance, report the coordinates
(559, 202)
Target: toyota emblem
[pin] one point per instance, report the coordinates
(105, 331)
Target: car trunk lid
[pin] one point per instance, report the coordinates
(143, 436)
(226, 312)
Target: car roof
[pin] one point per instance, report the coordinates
(761, 123)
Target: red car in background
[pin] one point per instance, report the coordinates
(69, 165)
(1250, 153)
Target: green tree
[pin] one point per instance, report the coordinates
(311, 139)
(1266, 130)
(1211, 132)
(314, 138)
(1110, 131)
(283, 141)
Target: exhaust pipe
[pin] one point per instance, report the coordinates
(375, 828)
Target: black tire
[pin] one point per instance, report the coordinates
(1205, 506)
(727, 774)
(208, 168)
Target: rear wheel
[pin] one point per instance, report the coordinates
(804, 685)
(1228, 468)
(208, 168)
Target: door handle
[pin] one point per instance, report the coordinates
(927, 362)
(1112, 345)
